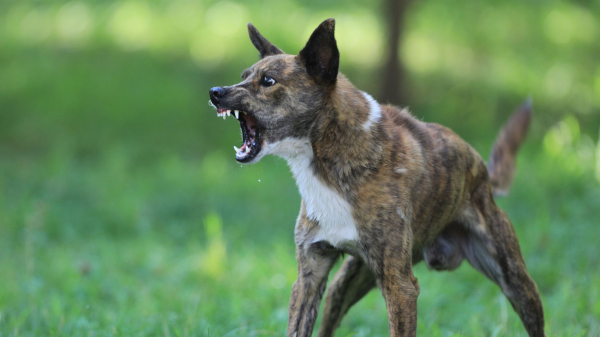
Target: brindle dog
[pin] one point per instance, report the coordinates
(377, 184)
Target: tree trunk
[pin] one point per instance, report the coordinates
(393, 88)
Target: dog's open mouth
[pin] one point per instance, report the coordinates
(250, 134)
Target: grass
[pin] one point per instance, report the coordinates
(123, 212)
(104, 248)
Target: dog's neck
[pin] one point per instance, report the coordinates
(345, 142)
(352, 109)
(344, 146)
(348, 139)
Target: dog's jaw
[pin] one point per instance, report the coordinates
(250, 152)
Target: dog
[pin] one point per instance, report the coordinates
(378, 186)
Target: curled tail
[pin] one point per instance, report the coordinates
(504, 152)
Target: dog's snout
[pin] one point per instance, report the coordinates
(216, 93)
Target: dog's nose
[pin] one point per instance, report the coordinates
(216, 93)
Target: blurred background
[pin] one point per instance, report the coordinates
(123, 211)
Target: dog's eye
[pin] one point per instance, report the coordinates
(267, 81)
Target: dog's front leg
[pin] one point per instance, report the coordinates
(391, 262)
(315, 260)
(400, 293)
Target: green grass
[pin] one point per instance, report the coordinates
(123, 212)
(104, 247)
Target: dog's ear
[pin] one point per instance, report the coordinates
(320, 55)
(264, 47)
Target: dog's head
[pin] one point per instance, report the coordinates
(281, 95)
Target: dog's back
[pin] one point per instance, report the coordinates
(433, 163)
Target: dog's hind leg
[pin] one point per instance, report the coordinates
(352, 282)
(492, 248)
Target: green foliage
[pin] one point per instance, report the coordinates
(123, 211)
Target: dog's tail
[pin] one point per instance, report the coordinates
(504, 152)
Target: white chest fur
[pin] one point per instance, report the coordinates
(323, 204)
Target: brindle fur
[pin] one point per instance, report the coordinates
(417, 191)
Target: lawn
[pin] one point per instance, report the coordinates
(184, 246)
(124, 213)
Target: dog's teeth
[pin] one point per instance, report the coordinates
(236, 149)
(237, 114)
(247, 149)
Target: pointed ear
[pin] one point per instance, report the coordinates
(264, 47)
(320, 55)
